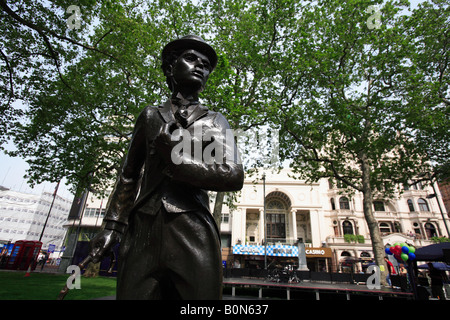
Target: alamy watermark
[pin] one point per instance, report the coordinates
(74, 21)
(374, 21)
(373, 281)
(73, 282)
(212, 146)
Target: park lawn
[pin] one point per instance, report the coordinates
(46, 286)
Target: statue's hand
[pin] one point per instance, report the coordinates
(102, 244)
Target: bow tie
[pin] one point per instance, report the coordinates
(182, 112)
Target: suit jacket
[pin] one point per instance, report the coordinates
(148, 180)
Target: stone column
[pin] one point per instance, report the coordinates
(262, 226)
(294, 225)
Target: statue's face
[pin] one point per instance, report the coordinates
(191, 70)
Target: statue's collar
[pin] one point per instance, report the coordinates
(166, 112)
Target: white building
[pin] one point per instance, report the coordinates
(330, 224)
(22, 217)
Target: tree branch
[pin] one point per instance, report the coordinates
(5, 58)
(42, 31)
(330, 162)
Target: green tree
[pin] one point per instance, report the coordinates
(428, 91)
(37, 44)
(77, 125)
(246, 38)
(345, 112)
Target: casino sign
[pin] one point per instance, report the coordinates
(281, 251)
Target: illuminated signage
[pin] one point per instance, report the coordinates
(280, 251)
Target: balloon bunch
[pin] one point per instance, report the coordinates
(401, 251)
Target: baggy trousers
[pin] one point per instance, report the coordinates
(170, 256)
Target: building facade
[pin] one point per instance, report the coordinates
(23, 216)
(329, 223)
(273, 221)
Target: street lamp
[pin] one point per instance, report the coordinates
(265, 223)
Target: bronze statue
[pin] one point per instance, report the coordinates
(159, 209)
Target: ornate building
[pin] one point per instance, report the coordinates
(331, 224)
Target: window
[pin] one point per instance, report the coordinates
(225, 217)
(430, 229)
(276, 225)
(410, 205)
(276, 219)
(378, 206)
(94, 212)
(384, 227)
(333, 206)
(423, 205)
(416, 228)
(344, 204)
(347, 227)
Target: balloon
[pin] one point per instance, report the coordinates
(398, 248)
(388, 251)
(404, 256)
(396, 244)
(392, 250)
(411, 256)
(405, 249)
(412, 249)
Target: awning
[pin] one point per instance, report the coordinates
(434, 252)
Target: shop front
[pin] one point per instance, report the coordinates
(280, 256)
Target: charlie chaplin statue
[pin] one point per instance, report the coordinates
(159, 209)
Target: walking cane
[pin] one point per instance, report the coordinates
(81, 265)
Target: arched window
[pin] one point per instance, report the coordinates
(347, 227)
(430, 230)
(333, 206)
(423, 205)
(343, 203)
(410, 205)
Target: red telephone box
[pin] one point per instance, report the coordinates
(23, 252)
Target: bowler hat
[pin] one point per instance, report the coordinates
(191, 42)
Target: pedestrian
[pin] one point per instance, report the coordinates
(43, 260)
(391, 271)
(403, 272)
(438, 278)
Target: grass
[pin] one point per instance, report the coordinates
(46, 286)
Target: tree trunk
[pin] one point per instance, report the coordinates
(372, 223)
